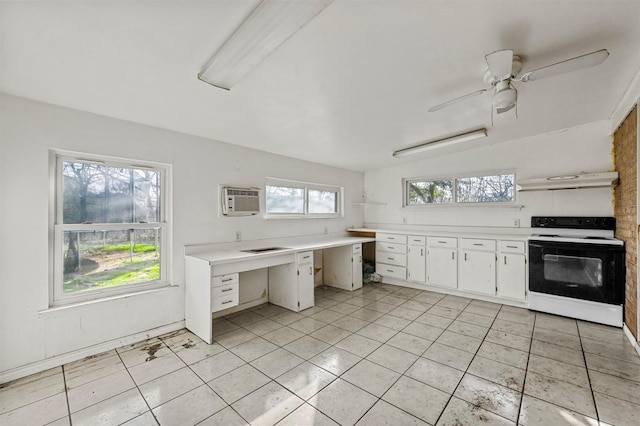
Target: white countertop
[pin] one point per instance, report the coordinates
(232, 252)
(497, 233)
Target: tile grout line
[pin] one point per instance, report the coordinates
(526, 369)
(66, 394)
(138, 387)
(586, 367)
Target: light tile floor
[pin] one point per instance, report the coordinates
(380, 355)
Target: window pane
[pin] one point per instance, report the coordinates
(95, 193)
(485, 189)
(101, 259)
(322, 201)
(427, 192)
(281, 199)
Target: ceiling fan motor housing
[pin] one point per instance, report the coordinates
(505, 97)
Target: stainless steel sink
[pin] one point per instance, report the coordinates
(264, 250)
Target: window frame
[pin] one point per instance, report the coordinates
(57, 228)
(454, 198)
(306, 186)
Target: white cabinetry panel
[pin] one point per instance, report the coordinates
(477, 267)
(512, 270)
(442, 261)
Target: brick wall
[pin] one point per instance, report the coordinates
(626, 201)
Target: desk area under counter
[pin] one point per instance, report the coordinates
(214, 274)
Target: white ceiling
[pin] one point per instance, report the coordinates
(348, 89)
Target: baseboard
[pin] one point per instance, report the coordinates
(632, 339)
(58, 360)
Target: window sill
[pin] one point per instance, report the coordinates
(291, 216)
(465, 205)
(74, 305)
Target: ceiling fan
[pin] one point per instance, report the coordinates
(503, 68)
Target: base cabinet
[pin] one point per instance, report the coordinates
(442, 261)
(343, 267)
(417, 259)
(477, 266)
(291, 284)
(512, 270)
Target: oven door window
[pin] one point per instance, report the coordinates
(580, 271)
(573, 271)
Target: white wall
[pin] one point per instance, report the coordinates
(581, 149)
(30, 129)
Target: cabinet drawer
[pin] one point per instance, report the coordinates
(226, 302)
(442, 242)
(391, 271)
(392, 238)
(357, 248)
(224, 291)
(418, 240)
(473, 244)
(391, 247)
(511, 246)
(219, 280)
(391, 258)
(304, 257)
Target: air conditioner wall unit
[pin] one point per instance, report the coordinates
(240, 201)
(584, 180)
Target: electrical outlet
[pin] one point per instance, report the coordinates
(237, 235)
(516, 223)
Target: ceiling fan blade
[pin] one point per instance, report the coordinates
(574, 64)
(500, 63)
(456, 100)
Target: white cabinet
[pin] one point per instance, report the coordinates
(512, 270)
(224, 291)
(417, 258)
(343, 267)
(477, 266)
(391, 255)
(442, 263)
(291, 284)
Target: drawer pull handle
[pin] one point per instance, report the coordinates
(227, 289)
(224, 280)
(390, 258)
(478, 244)
(442, 242)
(390, 270)
(228, 301)
(453, 255)
(306, 257)
(392, 238)
(505, 260)
(512, 246)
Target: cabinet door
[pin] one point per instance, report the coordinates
(305, 285)
(442, 267)
(511, 276)
(477, 271)
(357, 271)
(416, 264)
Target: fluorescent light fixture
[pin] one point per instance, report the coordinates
(423, 147)
(270, 24)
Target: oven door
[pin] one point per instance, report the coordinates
(583, 271)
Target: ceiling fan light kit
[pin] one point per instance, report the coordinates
(453, 140)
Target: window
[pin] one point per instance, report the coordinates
(110, 228)
(498, 188)
(299, 199)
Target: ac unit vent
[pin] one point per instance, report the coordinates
(240, 201)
